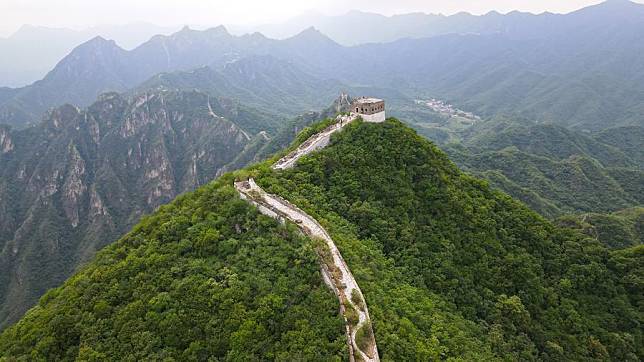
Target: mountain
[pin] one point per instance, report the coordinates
(627, 139)
(81, 178)
(100, 65)
(95, 67)
(377, 28)
(35, 50)
(621, 229)
(257, 295)
(578, 70)
(262, 81)
(448, 267)
(552, 169)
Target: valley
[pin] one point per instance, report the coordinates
(358, 187)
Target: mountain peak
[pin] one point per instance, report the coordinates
(493, 13)
(92, 57)
(97, 43)
(311, 30)
(619, 2)
(616, 7)
(99, 40)
(218, 30)
(312, 34)
(186, 32)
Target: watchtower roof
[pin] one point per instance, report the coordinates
(367, 100)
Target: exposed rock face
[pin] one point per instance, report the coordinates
(73, 188)
(6, 145)
(83, 177)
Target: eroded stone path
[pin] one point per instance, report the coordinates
(335, 270)
(315, 142)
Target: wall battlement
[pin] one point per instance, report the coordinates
(369, 109)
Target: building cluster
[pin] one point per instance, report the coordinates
(446, 109)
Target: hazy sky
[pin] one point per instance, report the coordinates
(84, 13)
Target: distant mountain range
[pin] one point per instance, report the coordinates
(552, 169)
(582, 70)
(100, 65)
(376, 28)
(34, 50)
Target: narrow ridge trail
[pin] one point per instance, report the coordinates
(335, 271)
(315, 142)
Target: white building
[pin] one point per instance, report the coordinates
(369, 109)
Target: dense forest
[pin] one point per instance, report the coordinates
(554, 170)
(624, 228)
(204, 277)
(450, 269)
(405, 217)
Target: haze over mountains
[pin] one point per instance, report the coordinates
(100, 65)
(32, 51)
(377, 28)
(580, 70)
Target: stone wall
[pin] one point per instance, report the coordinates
(374, 118)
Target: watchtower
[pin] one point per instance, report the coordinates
(369, 109)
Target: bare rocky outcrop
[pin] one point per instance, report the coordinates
(82, 178)
(97, 207)
(6, 144)
(74, 188)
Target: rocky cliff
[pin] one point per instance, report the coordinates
(81, 178)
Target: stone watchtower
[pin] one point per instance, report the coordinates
(369, 109)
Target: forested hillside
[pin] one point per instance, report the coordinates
(449, 267)
(205, 277)
(81, 178)
(388, 195)
(552, 169)
(621, 229)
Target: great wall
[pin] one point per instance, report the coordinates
(315, 142)
(335, 271)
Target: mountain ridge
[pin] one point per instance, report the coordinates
(582, 71)
(84, 176)
(30, 63)
(100, 65)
